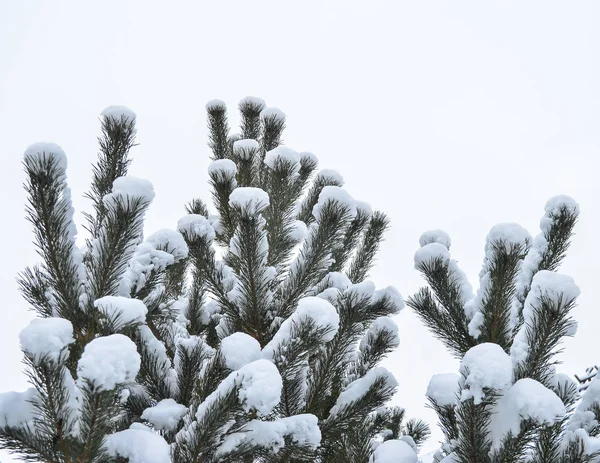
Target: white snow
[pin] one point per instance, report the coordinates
(393, 451)
(307, 156)
(546, 285)
(170, 241)
(119, 112)
(381, 325)
(591, 396)
(224, 167)
(553, 208)
(301, 429)
(337, 194)
(511, 234)
(38, 151)
(272, 113)
(430, 252)
(392, 294)
(16, 408)
(245, 148)
(332, 175)
(322, 313)
(239, 349)
(130, 187)
(259, 385)
(46, 337)
(253, 100)
(109, 361)
(165, 415)
(126, 309)
(364, 207)
(526, 399)
(196, 226)
(282, 154)
(139, 444)
(359, 387)
(444, 389)
(298, 231)
(435, 236)
(160, 250)
(485, 366)
(249, 198)
(363, 290)
(215, 104)
(535, 401)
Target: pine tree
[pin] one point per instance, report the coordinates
(508, 404)
(247, 335)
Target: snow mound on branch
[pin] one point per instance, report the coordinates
(245, 148)
(259, 385)
(444, 389)
(252, 100)
(430, 252)
(170, 241)
(165, 415)
(591, 396)
(46, 337)
(485, 366)
(435, 236)
(224, 167)
(196, 226)
(363, 290)
(109, 361)
(239, 349)
(16, 409)
(139, 444)
(309, 157)
(249, 198)
(511, 234)
(381, 325)
(215, 104)
(394, 451)
(119, 113)
(126, 309)
(358, 388)
(364, 208)
(553, 208)
(322, 313)
(552, 286)
(302, 430)
(282, 154)
(535, 401)
(336, 194)
(526, 399)
(299, 230)
(331, 174)
(38, 151)
(160, 250)
(392, 294)
(130, 187)
(272, 113)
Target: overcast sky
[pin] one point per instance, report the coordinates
(451, 115)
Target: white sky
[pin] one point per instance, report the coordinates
(452, 115)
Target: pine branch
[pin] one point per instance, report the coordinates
(49, 211)
(117, 139)
(218, 129)
(365, 255)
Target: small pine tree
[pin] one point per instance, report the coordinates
(508, 404)
(247, 335)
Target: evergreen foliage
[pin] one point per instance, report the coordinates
(246, 335)
(508, 404)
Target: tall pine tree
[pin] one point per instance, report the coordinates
(246, 335)
(508, 405)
